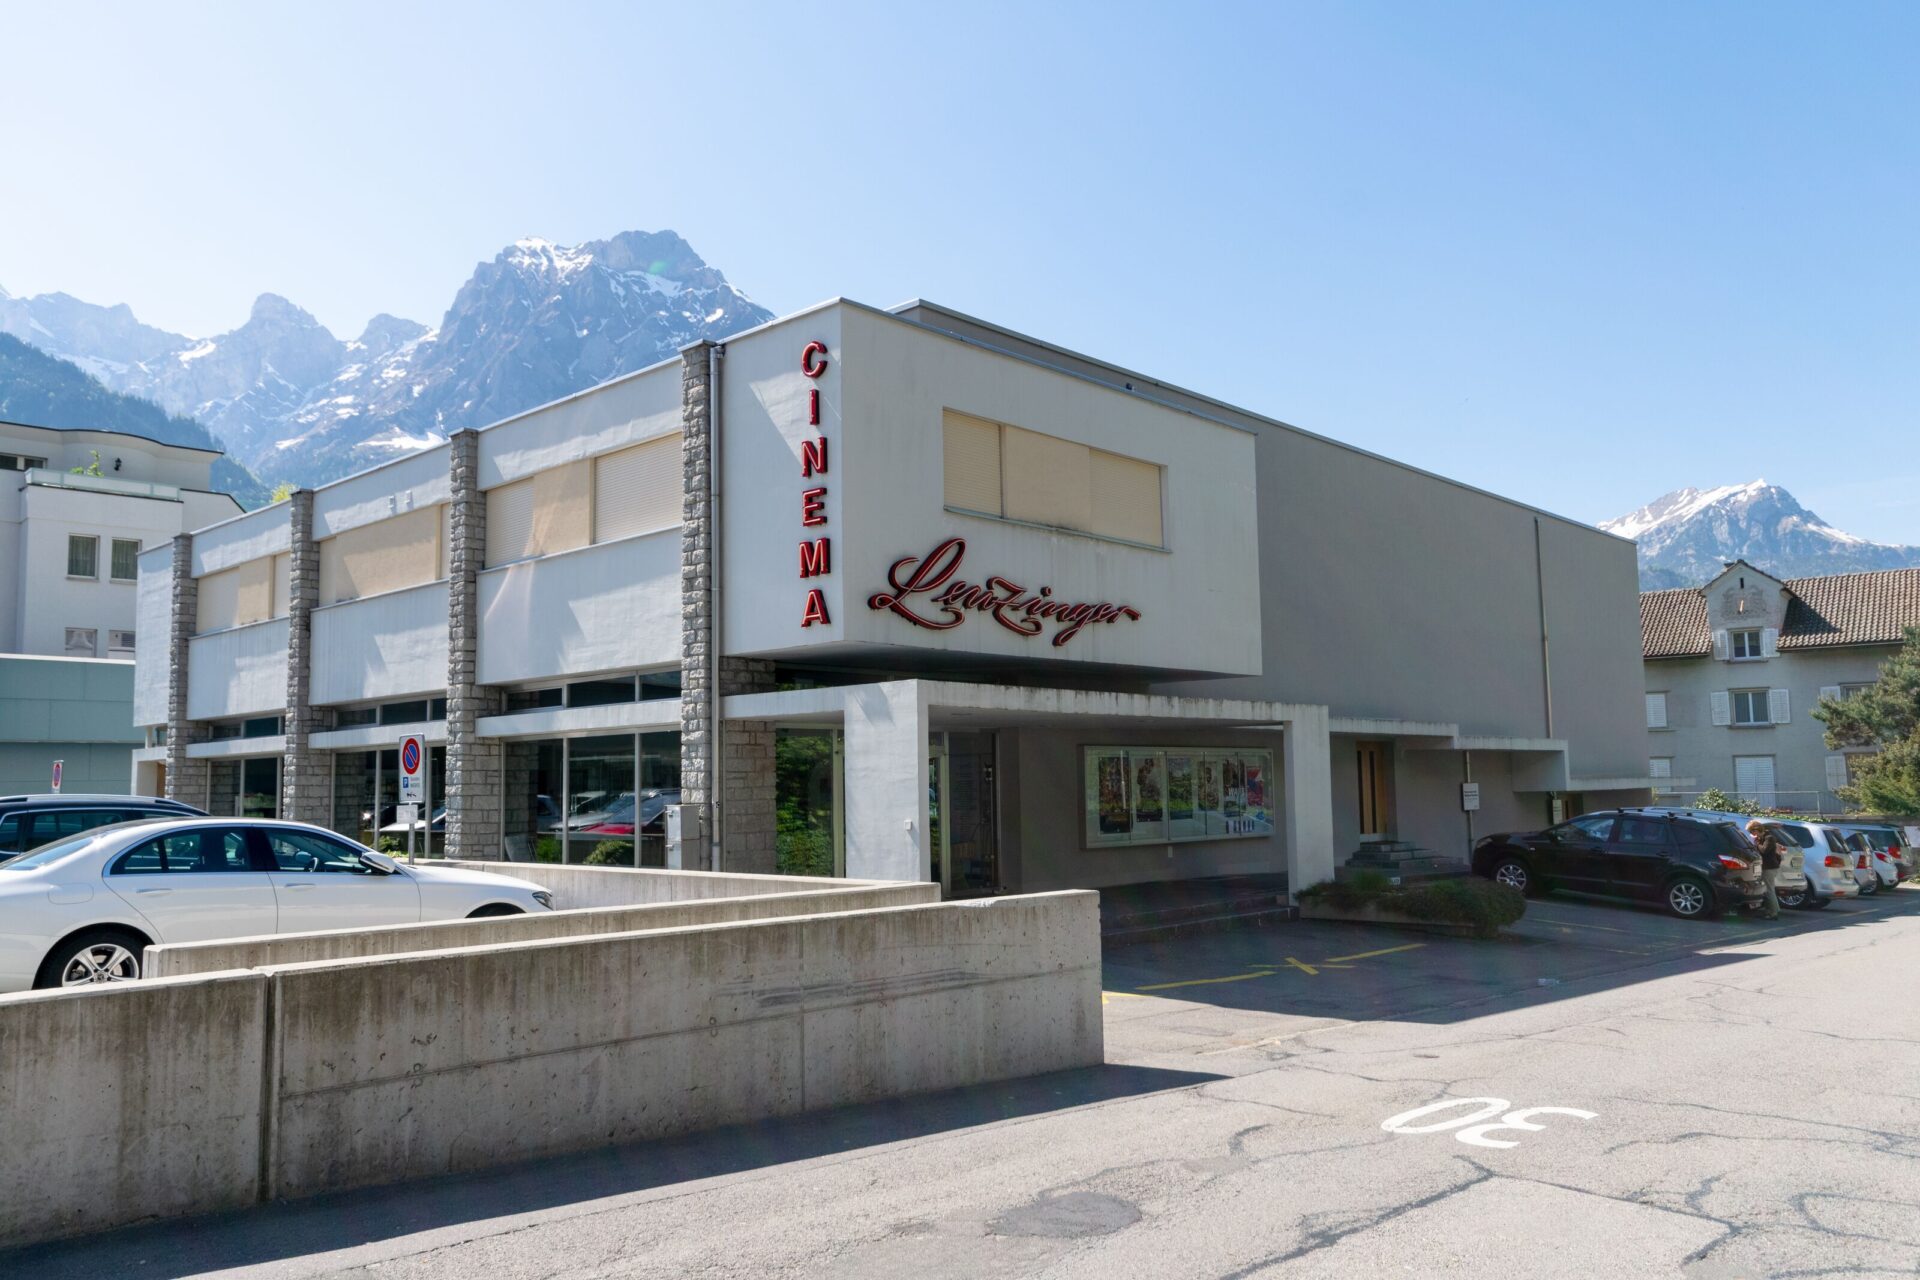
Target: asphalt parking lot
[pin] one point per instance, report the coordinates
(1724, 1098)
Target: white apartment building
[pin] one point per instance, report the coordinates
(905, 595)
(1734, 669)
(76, 510)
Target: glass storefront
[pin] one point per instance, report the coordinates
(599, 800)
(366, 801)
(803, 798)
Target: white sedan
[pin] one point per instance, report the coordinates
(84, 910)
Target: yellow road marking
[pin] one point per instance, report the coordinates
(1368, 955)
(1207, 982)
(1575, 924)
(1304, 968)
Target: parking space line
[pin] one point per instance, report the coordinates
(1368, 955)
(1208, 982)
(1577, 924)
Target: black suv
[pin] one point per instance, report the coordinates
(1692, 866)
(27, 822)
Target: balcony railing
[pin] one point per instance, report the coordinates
(48, 477)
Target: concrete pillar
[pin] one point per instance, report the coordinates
(697, 682)
(306, 791)
(186, 777)
(886, 782)
(1307, 771)
(474, 772)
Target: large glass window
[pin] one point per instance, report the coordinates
(260, 787)
(126, 559)
(1160, 795)
(803, 802)
(534, 790)
(355, 794)
(603, 814)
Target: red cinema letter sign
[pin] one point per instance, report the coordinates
(816, 557)
(816, 610)
(813, 506)
(813, 457)
(813, 359)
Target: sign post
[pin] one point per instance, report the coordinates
(413, 781)
(59, 767)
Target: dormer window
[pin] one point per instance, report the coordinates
(1746, 644)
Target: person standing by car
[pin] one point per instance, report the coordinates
(1768, 842)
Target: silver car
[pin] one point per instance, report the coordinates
(1826, 861)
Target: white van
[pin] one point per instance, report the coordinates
(1826, 860)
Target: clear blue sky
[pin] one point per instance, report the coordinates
(1579, 254)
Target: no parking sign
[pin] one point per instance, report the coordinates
(413, 769)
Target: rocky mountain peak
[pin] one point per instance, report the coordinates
(1685, 537)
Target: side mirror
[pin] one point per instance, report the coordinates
(379, 863)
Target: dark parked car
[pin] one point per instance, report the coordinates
(27, 822)
(1692, 866)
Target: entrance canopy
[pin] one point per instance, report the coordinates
(886, 727)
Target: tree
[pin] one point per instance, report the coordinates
(92, 468)
(282, 491)
(1886, 717)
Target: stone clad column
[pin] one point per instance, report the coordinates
(306, 776)
(186, 776)
(696, 589)
(474, 775)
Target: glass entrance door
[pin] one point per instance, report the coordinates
(962, 817)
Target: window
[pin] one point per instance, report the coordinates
(404, 712)
(1162, 795)
(1660, 767)
(198, 849)
(260, 787)
(261, 727)
(1753, 779)
(535, 699)
(119, 644)
(18, 462)
(545, 513)
(659, 684)
(992, 469)
(1656, 711)
(1598, 826)
(353, 717)
(1854, 690)
(1750, 707)
(308, 852)
(29, 830)
(83, 556)
(82, 642)
(1646, 832)
(388, 555)
(1746, 644)
(126, 559)
(599, 693)
(236, 597)
(637, 490)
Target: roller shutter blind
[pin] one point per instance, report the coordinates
(282, 584)
(972, 463)
(387, 555)
(1836, 772)
(637, 490)
(1753, 779)
(540, 515)
(1126, 497)
(1046, 480)
(1656, 711)
(510, 522)
(237, 596)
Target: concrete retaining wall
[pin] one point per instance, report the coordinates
(340, 944)
(127, 1102)
(191, 1094)
(578, 886)
(406, 1066)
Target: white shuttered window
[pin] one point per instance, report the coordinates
(637, 490)
(1656, 711)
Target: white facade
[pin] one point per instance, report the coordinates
(68, 541)
(991, 613)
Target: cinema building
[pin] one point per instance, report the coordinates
(904, 595)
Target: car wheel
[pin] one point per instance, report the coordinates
(1871, 887)
(96, 956)
(1793, 898)
(1814, 904)
(1690, 899)
(495, 909)
(1514, 874)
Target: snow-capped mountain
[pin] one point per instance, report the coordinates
(296, 403)
(1687, 536)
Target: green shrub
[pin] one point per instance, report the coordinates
(546, 849)
(1484, 905)
(391, 844)
(611, 853)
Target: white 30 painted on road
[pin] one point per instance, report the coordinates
(1475, 1126)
